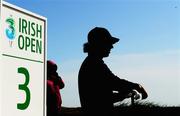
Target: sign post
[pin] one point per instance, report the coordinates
(22, 62)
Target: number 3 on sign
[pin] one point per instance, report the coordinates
(23, 87)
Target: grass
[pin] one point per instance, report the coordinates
(147, 108)
(124, 109)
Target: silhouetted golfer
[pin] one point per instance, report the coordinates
(96, 81)
(54, 84)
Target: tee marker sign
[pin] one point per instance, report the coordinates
(22, 62)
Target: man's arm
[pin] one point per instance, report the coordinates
(124, 86)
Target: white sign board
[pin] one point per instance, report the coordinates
(22, 62)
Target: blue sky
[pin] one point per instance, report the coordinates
(148, 52)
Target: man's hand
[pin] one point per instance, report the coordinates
(141, 90)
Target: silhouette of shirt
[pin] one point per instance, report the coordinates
(96, 85)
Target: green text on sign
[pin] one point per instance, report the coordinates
(24, 71)
(30, 36)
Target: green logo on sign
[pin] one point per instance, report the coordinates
(10, 30)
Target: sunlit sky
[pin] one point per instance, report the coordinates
(148, 52)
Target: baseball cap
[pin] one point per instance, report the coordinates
(100, 35)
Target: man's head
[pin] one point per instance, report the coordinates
(51, 67)
(100, 42)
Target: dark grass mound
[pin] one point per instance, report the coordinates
(138, 109)
(75, 111)
(146, 109)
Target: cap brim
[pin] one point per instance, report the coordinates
(114, 40)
